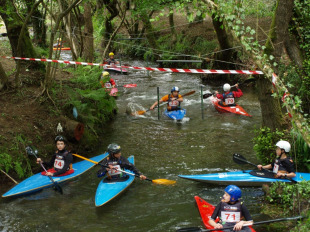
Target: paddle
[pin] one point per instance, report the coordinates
(157, 181)
(239, 159)
(141, 112)
(130, 85)
(197, 229)
(56, 187)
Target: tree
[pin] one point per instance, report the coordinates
(88, 48)
(3, 78)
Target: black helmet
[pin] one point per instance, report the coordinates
(114, 148)
(60, 138)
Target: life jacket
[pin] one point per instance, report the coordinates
(59, 162)
(229, 99)
(230, 212)
(111, 62)
(278, 165)
(114, 173)
(173, 104)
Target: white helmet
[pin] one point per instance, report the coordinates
(226, 87)
(286, 146)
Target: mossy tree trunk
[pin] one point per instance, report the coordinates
(3, 78)
(88, 51)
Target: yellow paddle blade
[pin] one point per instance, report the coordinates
(140, 112)
(164, 181)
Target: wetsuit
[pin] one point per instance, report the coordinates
(61, 161)
(228, 98)
(109, 61)
(230, 214)
(285, 165)
(122, 162)
(172, 104)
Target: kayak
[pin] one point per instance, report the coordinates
(62, 48)
(39, 181)
(113, 92)
(176, 114)
(109, 189)
(116, 70)
(206, 210)
(243, 178)
(231, 109)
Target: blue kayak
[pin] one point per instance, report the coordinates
(39, 181)
(242, 178)
(109, 189)
(176, 114)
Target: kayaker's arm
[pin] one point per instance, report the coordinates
(163, 99)
(268, 166)
(238, 93)
(214, 216)
(127, 165)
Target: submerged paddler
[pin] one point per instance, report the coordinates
(114, 162)
(231, 212)
(174, 100)
(110, 83)
(283, 166)
(61, 160)
(228, 97)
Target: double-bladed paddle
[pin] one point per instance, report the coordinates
(197, 229)
(157, 181)
(239, 159)
(56, 187)
(141, 112)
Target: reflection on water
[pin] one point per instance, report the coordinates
(162, 149)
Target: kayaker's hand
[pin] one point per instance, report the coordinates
(49, 174)
(142, 177)
(218, 226)
(260, 166)
(39, 160)
(238, 226)
(152, 107)
(237, 86)
(216, 92)
(280, 174)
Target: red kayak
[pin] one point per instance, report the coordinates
(232, 109)
(206, 210)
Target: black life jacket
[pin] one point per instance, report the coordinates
(229, 99)
(230, 212)
(60, 160)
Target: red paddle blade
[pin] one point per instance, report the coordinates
(130, 86)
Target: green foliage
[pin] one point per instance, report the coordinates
(301, 151)
(5, 161)
(92, 102)
(303, 226)
(264, 144)
(262, 8)
(287, 195)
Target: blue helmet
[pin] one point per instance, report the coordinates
(234, 192)
(175, 88)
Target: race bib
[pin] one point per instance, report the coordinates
(115, 170)
(112, 64)
(59, 164)
(108, 85)
(275, 168)
(229, 101)
(174, 103)
(230, 216)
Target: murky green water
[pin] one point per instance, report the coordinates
(162, 149)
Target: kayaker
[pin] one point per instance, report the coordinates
(174, 100)
(283, 166)
(228, 97)
(111, 60)
(231, 211)
(108, 84)
(61, 160)
(114, 162)
(58, 44)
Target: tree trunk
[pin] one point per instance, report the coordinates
(3, 78)
(88, 53)
(172, 28)
(14, 24)
(225, 43)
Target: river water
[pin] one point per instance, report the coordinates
(162, 149)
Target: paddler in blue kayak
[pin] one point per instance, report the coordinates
(228, 97)
(174, 100)
(283, 166)
(61, 160)
(115, 162)
(231, 212)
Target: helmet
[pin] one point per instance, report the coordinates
(226, 87)
(111, 54)
(175, 88)
(105, 73)
(114, 148)
(286, 146)
(60, 138)
(234, 192)
(59, 39)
